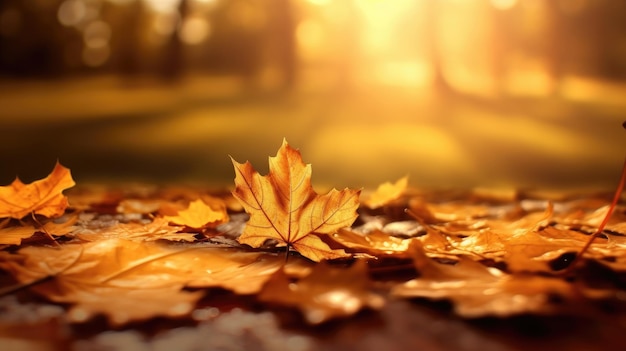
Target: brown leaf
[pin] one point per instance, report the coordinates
(283, 206)
(386, 193)
(13, 235)
(200, 215)
(158, 229)
(478, 291)
(518, 243)
(110, 277)
(241, 272)
(141, 206)
(374, 243)
(42, 197)
(529, 251)
(129, 281)
(324, 294)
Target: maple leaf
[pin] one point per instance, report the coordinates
(386, 193)
(479, 291)
(42, 197)
(325, 293)
(110, 277)
(283, 206)
(128, 281)
(199, 215)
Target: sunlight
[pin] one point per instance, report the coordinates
(382, 23)
(503, 4)
(195, 30)
(405, 73)
(311, 38)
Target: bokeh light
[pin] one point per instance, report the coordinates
(72, 12)
(195, 30)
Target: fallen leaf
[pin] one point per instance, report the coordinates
(158, 229)
(244, 273)
(13, 235)
(386, 193)
(479, 291)
(324, 294)
(529, 251)
(199, 215)
(375, 243)
(589, 221)
(141, 206)
(283, 206)
(110, 277)
(130, 281)
(42, 197)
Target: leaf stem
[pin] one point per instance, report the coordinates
(45, 231)
(604, 222)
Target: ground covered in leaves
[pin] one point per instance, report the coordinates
(273, 265)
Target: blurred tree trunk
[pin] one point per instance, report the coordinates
(172, 66)
(129, 39)
(432, 10)
(281, 38)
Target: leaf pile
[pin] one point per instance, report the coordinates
(138, 253)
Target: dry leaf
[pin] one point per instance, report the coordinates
(141, 206)
(241, 272)
(479, 291)
(529, 251)
(374, 243)
(199, 215)
(324, 294)
(42, 197)
(387, 192)
(128, 280)
(13, 235)
(283, 206)
(158, 229)
(110, 277)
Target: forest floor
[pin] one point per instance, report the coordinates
(464, 317)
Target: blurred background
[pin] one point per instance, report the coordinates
(495, 93)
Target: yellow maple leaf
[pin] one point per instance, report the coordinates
(283, 206)
(387, 192)
(200, 215)
(42, 197)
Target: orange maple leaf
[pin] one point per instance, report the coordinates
(386, 193)
(43, 197)
(200, 215)
(283, 206)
